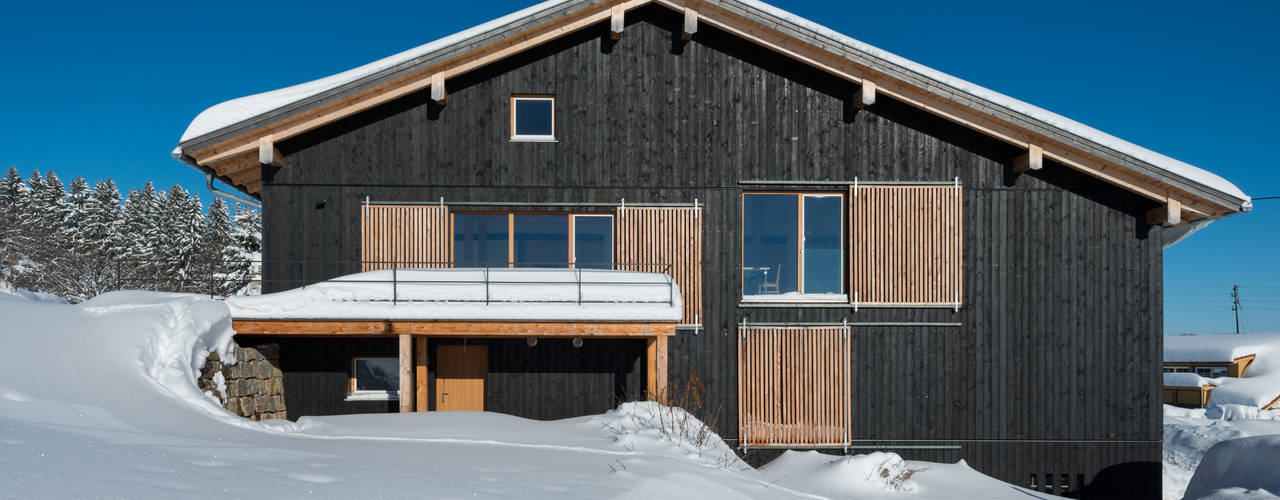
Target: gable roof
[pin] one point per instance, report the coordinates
(223, 138)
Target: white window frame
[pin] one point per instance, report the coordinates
(533, 138)
(573, 237)
(356, 395)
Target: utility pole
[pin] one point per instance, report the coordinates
(1235, 305)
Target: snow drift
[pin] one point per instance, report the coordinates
(1238, 468)
(100, 399)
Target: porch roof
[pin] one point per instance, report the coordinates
(471, 295)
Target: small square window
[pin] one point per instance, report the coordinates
(533, 118)
(375, 379)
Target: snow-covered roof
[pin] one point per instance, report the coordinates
(472, 294)
(1187, 380)
(231, 118)
(1259, 388)
(1215, 348)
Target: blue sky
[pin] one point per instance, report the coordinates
(105, 90)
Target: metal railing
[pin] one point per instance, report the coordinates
(406, 282)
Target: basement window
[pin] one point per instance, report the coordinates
(375, 379)
(533, 119)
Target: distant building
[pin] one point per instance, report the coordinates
(1195, 365)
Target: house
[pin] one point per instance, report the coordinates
(1197, 365)
(866, 253)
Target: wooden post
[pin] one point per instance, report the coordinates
(657, 377)
(420, 372)
(406, 373)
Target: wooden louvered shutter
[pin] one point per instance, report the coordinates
(906, 245)
(649, 237)
(404, 236)
(794, 386)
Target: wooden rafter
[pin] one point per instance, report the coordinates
(866, 94)
(617, 21)
(690, 26)
(267, 152)
(1033, 159)
(1169, 214)
(438, 92)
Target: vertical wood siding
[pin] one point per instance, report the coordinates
(794, 386)
(668, 235)
(1055, 367)
(906, 245)
(404, 236)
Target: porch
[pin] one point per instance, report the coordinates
(426, 308)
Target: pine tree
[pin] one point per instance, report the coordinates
(182, 224)
(12, 191)
(140, 223)
(247, 242)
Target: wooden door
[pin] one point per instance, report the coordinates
(460, 375)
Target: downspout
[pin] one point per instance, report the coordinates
(209, 176)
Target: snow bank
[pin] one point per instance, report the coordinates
(461, 294)
(1261, 384)
(100, 400)
(1190, 432)
(1236, 468)
(842, 476)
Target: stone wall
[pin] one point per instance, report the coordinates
(254, 384)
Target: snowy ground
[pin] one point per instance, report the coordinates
(99, 400)
(1189, 434)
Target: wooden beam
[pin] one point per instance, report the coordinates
(617, 21)
(866, 94)
(532, 329)
(267, 152)
(420, 372)
(690, 24)
(406, 373)
(452, 328)
(1032, 160)
(1168, 215)
(438, 92)
(656, 378)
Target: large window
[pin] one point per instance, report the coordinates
(593, 241)
(481, 240)
(793, 246)
(532, 240)
(375, 378)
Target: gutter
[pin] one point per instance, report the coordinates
(210, 175)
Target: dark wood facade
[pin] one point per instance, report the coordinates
(1053, 370)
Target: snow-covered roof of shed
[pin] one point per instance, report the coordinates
(230, 118)
(1187, 380)
(473, 294)
(1216, 348)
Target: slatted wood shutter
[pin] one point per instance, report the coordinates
(793, 386)
(906, 245)
(650, 235)
(404, 236)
